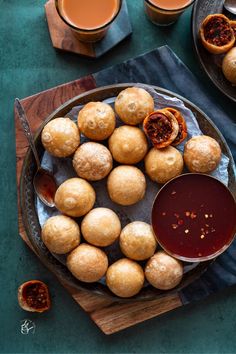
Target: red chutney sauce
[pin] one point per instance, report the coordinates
(194, 216)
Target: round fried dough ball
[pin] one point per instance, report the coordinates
(97, 120)
(163, 271)
(126, 185)
(101, 227)
(137, 241)
(92, 161)
(163, 164)
(60, 234)
(87, 263)
(60, 137)
(75, 197)
(128, 144)
(133, 104)
(202, 154)
(125, 278)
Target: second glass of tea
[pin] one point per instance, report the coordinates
(165, 12)
(89, 20)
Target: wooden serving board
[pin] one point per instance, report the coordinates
(109, 315)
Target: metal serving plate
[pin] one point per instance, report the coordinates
(29, 205)
(211, 63)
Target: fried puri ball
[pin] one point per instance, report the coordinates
(92, 161)
(60, 137)
(229, 64)
(101, 227)
(202, 154)
(87, 263)
(133, 104)
(163, 271)
(60, 234)
(125, 278)
(137, 241)
(126, 185)
(75, 197)
(96, 120)
(163, 164)
(128, 145)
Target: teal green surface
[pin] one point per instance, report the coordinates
(29, 64)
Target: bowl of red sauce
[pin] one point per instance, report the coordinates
(194, 217)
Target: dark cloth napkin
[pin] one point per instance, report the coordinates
(161, 67)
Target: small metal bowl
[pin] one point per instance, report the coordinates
(186, 224)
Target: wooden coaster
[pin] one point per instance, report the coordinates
(63, 38)
(108, 315)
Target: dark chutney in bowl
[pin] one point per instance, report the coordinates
(194, 217)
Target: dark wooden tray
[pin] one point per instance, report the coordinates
(211, 63)
(109, 313)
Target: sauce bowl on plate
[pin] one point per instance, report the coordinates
(194, 217)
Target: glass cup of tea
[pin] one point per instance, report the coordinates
(165, 12)
(88, 20)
